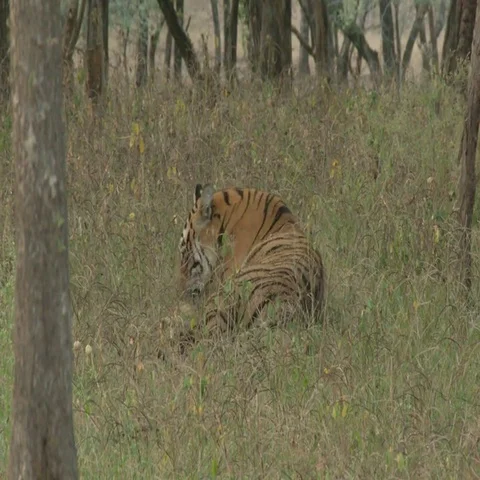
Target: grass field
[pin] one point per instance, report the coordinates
(386, 387)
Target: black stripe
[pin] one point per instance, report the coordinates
(240, 192)
(283, 210)
(226, 197)
(265, 211)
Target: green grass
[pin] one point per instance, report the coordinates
(386, 387)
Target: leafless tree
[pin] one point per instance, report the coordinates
(177, 54)
(142, 45)
(42, 442)
(468, 150)
(94, 55)
(218, 39)
(73, 24)
(181, 38)
(388, 37)
(4, 49)
(459, 34)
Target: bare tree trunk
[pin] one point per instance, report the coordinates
(105, 23)
(388, 42)
(4, 49)
(321, 42)
(303, 61)
(70, 38)
(433, 38)
(177, 55)
(459, 34)
(398, 43)
(467, 183)
(424, 48)
(142, 45)
(226, 34)
(153, 50)
(416, 28)
(42, 442)
(276, 39)
(231, 42)
(254, 14)
(181, 39)
(95, 51)
(218, 39)
(168, 55)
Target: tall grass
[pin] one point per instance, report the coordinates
(386, 387)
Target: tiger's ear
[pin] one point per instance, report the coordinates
(205, 194)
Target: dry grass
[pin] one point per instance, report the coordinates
(387, 387)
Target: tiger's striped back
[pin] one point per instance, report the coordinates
(270, 259)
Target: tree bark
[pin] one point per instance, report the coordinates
(177, 54)
(303, 61)
(42, 442)
(105, 24)
(467, 183)
(142, 45)
(168, 55)
(218, 38)
(231, 45)
(254, 15)
(181, 39)
(4, 49)
(71, 33)
(388, 37)
(95, 51)
(276, 39)
(416, 27)
(154, 37)
(356, 36)
(226, 33)
(459, 34)
(321, 42)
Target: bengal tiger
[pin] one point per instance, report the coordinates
(247, 250)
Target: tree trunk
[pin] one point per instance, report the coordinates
(254, 15)
(95, 51)
(71, 33)
(459, 34)
(42, 442)
(177, 55)
(276, 39)
(321, 42)
(105, 22)
(467, 183)
(433, 38)
(226, 33)
(142, 45)
(218, 39)
(231, 45)
(4, 49)
(181, 39)
(388, 38)
(168, 55)
(416, 27)
(153, 50)
(356, 36)
(303, 61)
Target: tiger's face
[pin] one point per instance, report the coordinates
(197, 246)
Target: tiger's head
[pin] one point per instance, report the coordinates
(198, 243)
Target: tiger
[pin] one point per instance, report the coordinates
(249, 241)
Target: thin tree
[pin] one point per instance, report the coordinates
(218, 39)
(181, 38)
(142, 45)
(388, 38)
(231, 42)
(42, 443)
(94, 55)
(468, 150)
(4, 48)
(71, 33)
(303, 59)
(177, 53)
(459, 34)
